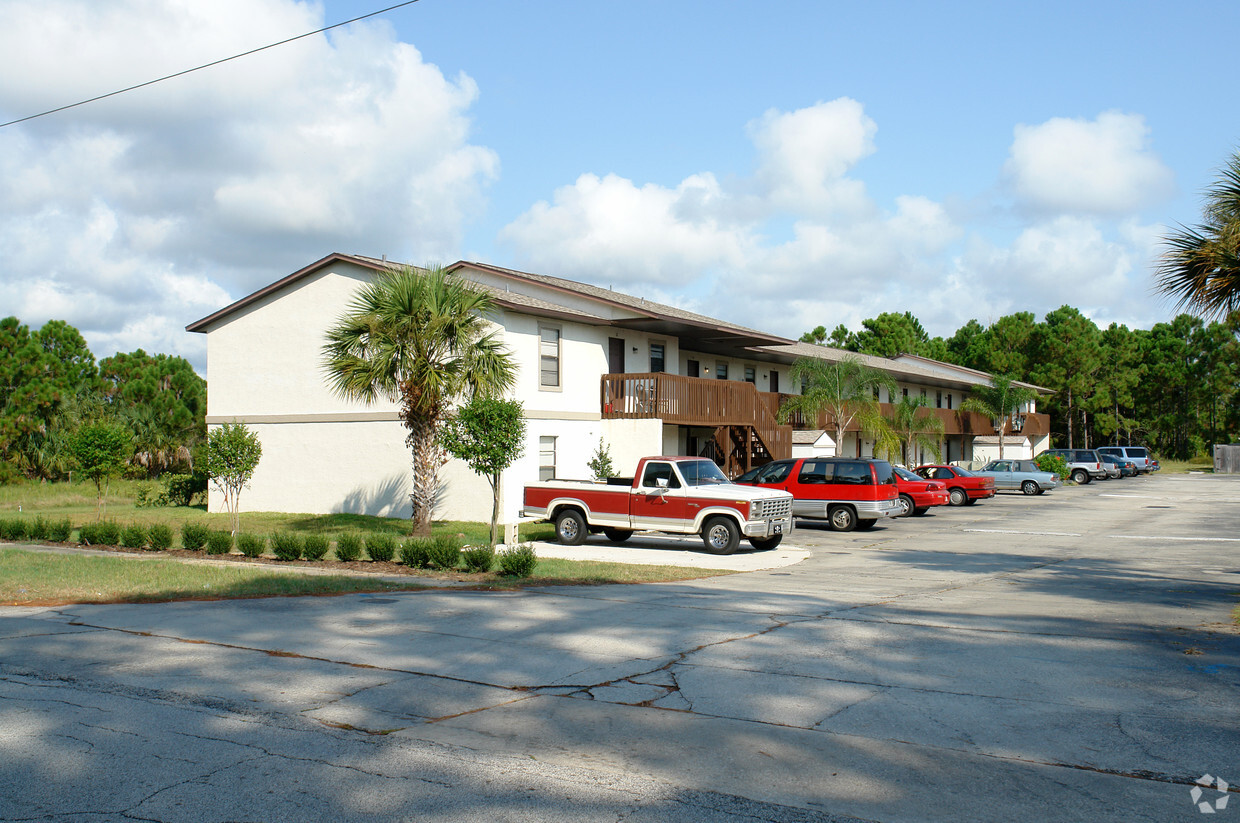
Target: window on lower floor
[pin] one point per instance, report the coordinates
(546, 458)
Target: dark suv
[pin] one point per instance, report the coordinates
(1083, 464)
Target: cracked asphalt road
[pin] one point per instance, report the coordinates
(1066, 657)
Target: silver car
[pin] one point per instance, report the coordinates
(1019, 475)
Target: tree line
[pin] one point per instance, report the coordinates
(52, 388)
(1174, 387)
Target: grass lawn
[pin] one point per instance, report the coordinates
(33, 578)
(1196, 464)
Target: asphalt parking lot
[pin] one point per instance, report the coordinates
(1064, 657)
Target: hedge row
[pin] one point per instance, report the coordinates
(442, 552)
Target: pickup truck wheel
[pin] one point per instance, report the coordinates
(721, 535)
(617, 535)
(763, 544)
(842, 518)
(1080, 477)
(906, 506)
(866, 525)
(957, 497)
(570, 527)
(1029, 487)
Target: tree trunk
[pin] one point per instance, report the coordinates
(427, 458)
(1070, 418)
(495, 481)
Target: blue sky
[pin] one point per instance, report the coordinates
(781, 165)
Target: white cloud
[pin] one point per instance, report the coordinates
(1104, 166)
(171, 201)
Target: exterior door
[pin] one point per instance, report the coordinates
(615, 355)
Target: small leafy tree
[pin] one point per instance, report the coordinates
(101, 450)
(233, 452)
(489, 435)
(600, 464)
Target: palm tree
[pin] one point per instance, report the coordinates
(1201, 267)
(845, 389)
(915, 430)
(997, 401)
(420, 339)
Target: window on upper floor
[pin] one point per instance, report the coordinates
(549, 357)
(751, 375)
(938, 399)
(721, 370)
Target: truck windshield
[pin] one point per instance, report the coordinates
(701, 473)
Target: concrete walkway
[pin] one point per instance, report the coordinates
(1065, 657)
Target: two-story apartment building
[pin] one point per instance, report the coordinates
(593, 364)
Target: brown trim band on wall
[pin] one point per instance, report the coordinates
(370, 417)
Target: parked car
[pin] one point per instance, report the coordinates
(1123, 465)
(1084, 465)
(963, 486)
(849, 493)
(917, 495)
(1137, 454)
(1022, 475)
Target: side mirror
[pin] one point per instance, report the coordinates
(662, 481)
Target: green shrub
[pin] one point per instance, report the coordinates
(12, 529)
(219, 542)
(445, 552)
(133, 536)
(100, 533)
(348, 547)
(314, 547)
(194, 536)
(416, 552)
(160, 537)
(479, 558)
(144, 495)
(1052, 463)
(251, 545)
(59, 531)
(179, 489)
(518, 561)
(286, 546)
(39, 529)
(380, 547)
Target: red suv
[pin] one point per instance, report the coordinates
(848, 493)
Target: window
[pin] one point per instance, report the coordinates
(721, 370)
(938, 399)
(906, 392)
(751, 375)
(815, 472)
(546, 458)
(659, 471)
(949, 400)
(549, 357)
(853, 474)
(658, 359)
(691, 368)
(923, 394)
(776, 472)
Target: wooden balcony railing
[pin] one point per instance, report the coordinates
(695, 401)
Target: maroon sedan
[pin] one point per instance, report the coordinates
(963, 486)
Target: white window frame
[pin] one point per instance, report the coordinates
(546, 457)
(559, 357)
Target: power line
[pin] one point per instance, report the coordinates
(207, 65)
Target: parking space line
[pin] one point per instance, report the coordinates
(1015, 531)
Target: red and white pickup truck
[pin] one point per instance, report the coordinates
(681, 495)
